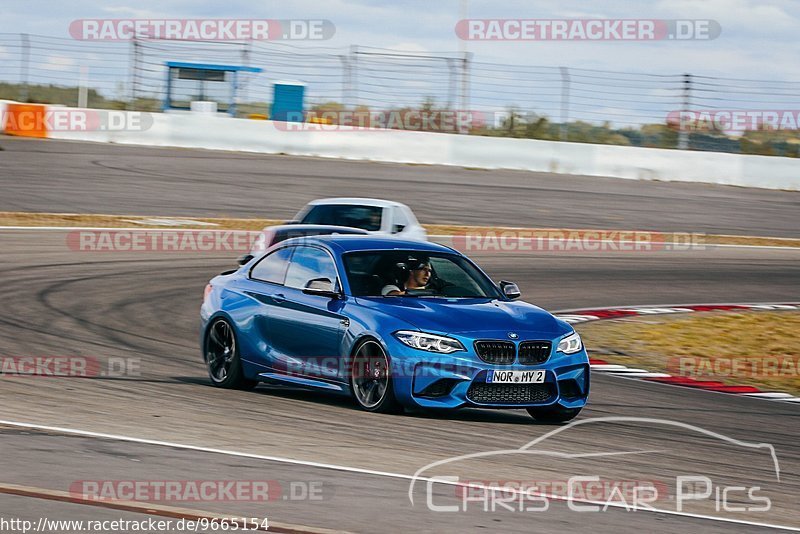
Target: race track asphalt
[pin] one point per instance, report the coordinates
(96, 178)
(144, 307)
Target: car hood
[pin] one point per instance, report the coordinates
(468, 316)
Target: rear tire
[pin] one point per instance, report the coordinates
(222, 357)
(370, 379)
(554, 414)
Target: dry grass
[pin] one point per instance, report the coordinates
(11, 218)
(8, 218)
(716, 339)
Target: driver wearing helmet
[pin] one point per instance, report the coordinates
(419, 274)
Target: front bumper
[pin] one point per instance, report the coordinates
(431, 380)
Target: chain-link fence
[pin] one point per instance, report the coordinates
(555, 103)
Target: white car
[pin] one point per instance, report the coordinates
(272, 235)
(383, 217)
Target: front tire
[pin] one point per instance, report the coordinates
(222, 357)
(370, 379)
(554, 414)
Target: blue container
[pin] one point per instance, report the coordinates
(287, 101)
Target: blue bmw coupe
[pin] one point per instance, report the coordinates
(394, 324)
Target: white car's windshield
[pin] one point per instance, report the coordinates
(357, 216)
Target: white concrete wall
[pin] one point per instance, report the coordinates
(224, 133)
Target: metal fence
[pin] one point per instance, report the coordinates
(559, 103)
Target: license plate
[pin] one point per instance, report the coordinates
(515, 377)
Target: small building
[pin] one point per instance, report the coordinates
(203, 82)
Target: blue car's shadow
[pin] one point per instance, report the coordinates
(516, 417)
(332, 399)
(475, 415)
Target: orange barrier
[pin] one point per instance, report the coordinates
(27, 120)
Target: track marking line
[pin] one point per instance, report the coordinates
(334, 467)
(756, 305)
(770, 395)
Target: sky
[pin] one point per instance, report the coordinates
(758, 40)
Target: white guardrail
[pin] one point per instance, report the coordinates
(220, 132)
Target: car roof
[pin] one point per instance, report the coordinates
(356, 201)
(317, 227)
(351, 243)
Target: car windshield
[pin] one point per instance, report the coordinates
(373, 273)
(356, 216)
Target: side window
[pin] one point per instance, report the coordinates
(314, 215)
(308, 264)
(400, 220)
(281, 235)
(272, 268)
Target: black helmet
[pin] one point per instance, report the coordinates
(417, 262)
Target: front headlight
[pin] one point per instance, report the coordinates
(570, 344)
(429, 342)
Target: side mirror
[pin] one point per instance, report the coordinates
(510, 289)
(244, 259)
(322, 287)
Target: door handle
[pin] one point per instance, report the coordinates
(278, 298)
